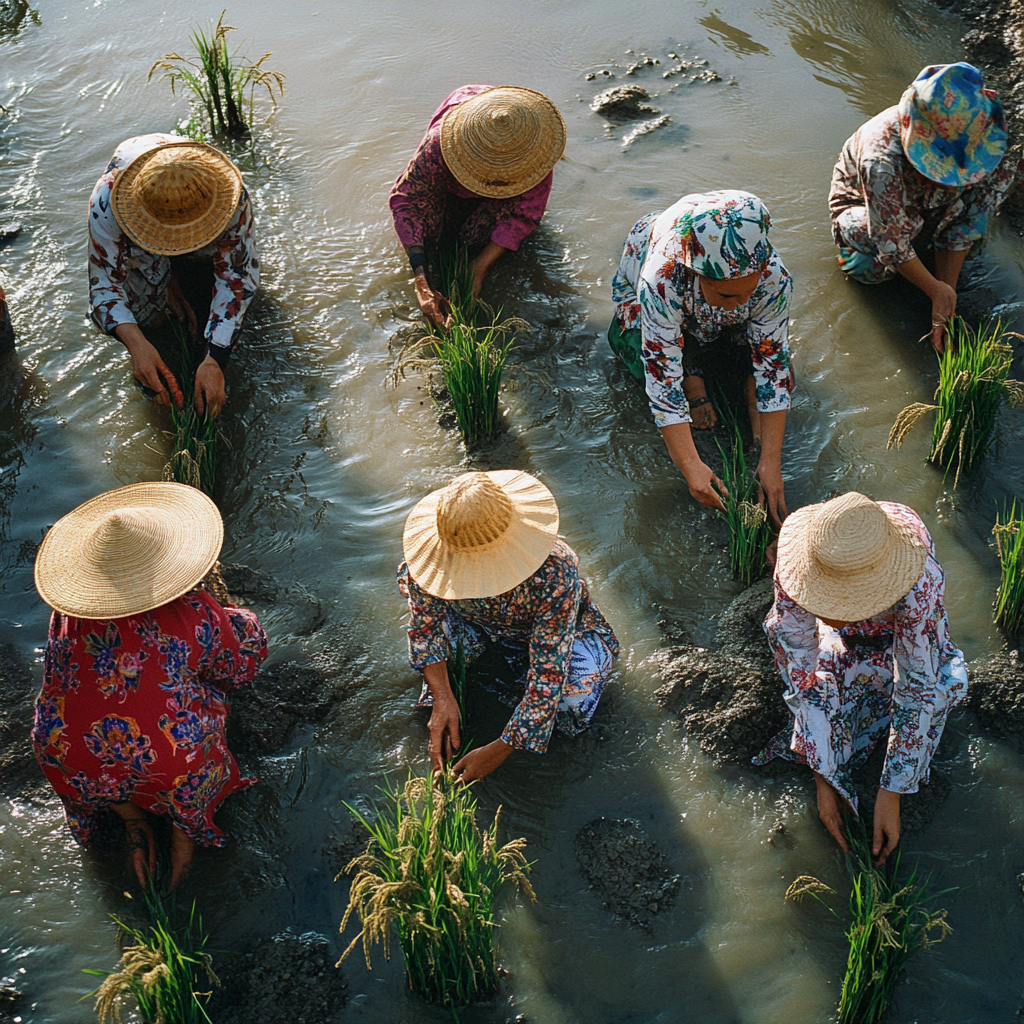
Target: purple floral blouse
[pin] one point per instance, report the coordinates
(929, 675)
(542, 614)
(421, 198)
(128, 285)
(874, 172)
(656, 293)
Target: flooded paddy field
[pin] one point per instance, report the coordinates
(322, 463)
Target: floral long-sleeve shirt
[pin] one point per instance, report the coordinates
(929, 676)
(542, 614)
(656, 293)
(421, 196)
(874, 172)
(128, 285)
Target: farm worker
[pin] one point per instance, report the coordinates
(138, 661)
(171, 240)
(929, 169)
(861, 639)
(686, 276)
(480, 179)
(484, 563)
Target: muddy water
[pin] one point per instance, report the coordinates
(325, 463)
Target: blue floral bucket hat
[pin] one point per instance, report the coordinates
(952, 127)
(724, 234)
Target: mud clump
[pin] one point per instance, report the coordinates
(625, 869)
(286, 978)
(741, 627)
(623, 103)
(995, 693)
(644, 129)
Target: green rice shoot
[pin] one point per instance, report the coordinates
(1009, 615)
(166, 970)
(890, 921)
(431, 877)
(974, 379)
(220, 85)
(457, 679)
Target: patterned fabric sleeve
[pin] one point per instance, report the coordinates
(889, 225)
(428, 642)
(108, 303)
(521, 214)
(659, 296)
(977, 202)
(236, 275)
(533, 721)
(237, 637)
(418, 191)
(768, 334)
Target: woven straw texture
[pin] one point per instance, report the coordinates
(481, 535)
(502, 142)
(176, 198)
(846, 560)
(129, 550)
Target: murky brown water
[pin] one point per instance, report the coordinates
(327, 463)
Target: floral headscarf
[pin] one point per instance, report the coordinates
(952, 127)
(723, 234)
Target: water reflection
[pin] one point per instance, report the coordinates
(735, 39)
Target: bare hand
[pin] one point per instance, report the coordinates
(829, 811)
(181, 308)
(152, 372)
(444, 732)
(706, 487)
(772, 492)
(887, 825)
(210, 396)
(482, 761)
(432, 304)
(943, 308)
(771, 553)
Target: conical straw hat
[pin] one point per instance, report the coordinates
(502, 142)
(481, 535)
(847, 559)
(129, 550)
(176, 198)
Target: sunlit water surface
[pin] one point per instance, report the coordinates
(326, 462)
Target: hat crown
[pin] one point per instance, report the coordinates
(124, 534)
(176, 191)
(473, 512)
(851, 535)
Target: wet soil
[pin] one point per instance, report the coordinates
(625, 869)
(285, 978)
(996, 695)
(623, 103)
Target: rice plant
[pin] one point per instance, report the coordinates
(749, 532)
(194, 435)
(431, 876)
(974, 378)
(457, 678)
(889, 922)
(166, 970)
(470, 354)
(221, 84)
(1010, 595)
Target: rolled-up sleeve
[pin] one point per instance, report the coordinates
(236, 275)
(108, 249)
(662, 338)
(890, 223)
(520, 215)
(768, 334)
(428, 642)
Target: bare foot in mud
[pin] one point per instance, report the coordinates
(140, 840)
(702, 412)
(182, 849)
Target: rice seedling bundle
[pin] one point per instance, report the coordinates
(433, 877)
(222, 85)
(166, 970)
(749, 532)
(889, 922)
(974, 379)
(1010, 595)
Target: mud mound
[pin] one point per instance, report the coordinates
(741, 627)
(996, 695)
(286, 978)
(623, 103)
(625, 869)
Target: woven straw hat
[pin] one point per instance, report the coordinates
(129, 550)
(847, 559)
(481, 535)
(176, 198)
(502, 142)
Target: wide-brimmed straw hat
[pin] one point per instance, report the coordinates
(952, 128)
(176, 198)
(847, 559)
(481, 535)
(502, 142)
(129, 550)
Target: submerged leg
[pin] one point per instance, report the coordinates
(182, 849)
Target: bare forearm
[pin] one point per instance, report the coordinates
(679, 441)
(129, 335)
(773, 429)
(918, 275)
(948, 264)
(436, 675)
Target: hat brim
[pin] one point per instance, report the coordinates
(175, 239)
(453, 574)
(852, 597)
(71, 581)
